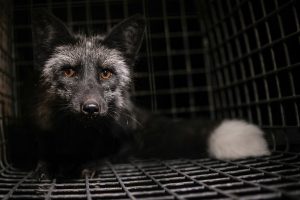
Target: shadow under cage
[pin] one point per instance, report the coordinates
(214, 58)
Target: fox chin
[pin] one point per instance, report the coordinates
(85, 114)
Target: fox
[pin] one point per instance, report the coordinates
(85, 114)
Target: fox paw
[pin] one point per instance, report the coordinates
(237, 139)
(42, 172)
(89, 173)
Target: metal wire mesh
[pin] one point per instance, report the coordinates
(274, 177)
(7, 78)
(253, 65)
(6, 59)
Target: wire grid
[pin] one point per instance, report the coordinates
(253, 63)
(273, 177)
(7, 95)
(169, 76)
(6, 59)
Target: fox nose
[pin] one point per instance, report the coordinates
(90, 108)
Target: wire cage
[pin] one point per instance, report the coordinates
(212, 58)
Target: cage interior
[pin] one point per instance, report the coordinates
(214, 58)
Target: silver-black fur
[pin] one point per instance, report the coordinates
(67, 135)
(84, 112)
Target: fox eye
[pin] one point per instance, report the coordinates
(69, 72)
(105, 74)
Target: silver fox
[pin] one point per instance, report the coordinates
(85, 114)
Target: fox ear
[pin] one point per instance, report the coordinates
(127, 36)
(47, 32)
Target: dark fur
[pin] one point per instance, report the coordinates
(77, 141)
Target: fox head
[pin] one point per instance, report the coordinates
(86, 75)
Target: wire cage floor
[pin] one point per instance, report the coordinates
(273, 177)
(238, 61)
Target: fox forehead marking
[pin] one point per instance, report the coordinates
(88, 44)
(88, 47)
